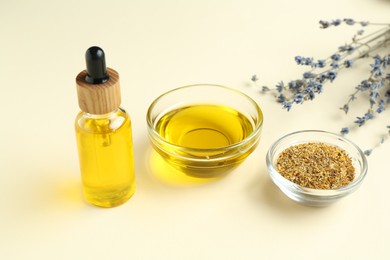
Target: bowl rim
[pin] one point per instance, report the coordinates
(248, 139)
(354, 184)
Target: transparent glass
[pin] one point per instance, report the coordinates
(106, 157)
(204, 130)
(316, 197)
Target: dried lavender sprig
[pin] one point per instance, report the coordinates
(377, 32)
(379, 39)
(311, 79)
(377, 84)
(311, 82)
(385, 137)
(348, 21)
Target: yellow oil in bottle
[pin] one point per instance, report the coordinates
(208, 129)
(106, 157)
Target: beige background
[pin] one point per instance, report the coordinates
(157, 46)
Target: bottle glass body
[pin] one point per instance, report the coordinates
(106, 157)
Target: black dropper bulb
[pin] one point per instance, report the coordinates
(96, 66)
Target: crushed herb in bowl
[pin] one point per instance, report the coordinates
(316, 166)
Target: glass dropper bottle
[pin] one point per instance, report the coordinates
(103, 132)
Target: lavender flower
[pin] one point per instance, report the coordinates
(348, 63)
(349, 21)
(265, 89)
(380, 109)
(309, 75)
(345, 108)
(299, 98)
(344, 131)
(298, 59)
(346, 48)
(254, 78)
(360, 121)
(331, 75)
(311, 94)
(280, 86)
(308, 61)
(281, 99)
(303, 60)
(287, 105)
(335, 57)
(368, 152)
(336, 22)
(318, 88)
(364, 85)
(334, 65)
(324, 24)
(369, 115)
(321, 63)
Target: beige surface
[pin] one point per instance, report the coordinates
(156, 46)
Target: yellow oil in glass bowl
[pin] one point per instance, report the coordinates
(203, 136)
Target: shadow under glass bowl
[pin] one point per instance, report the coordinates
(196, 156)
(309, 196)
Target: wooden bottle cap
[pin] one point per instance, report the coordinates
(99, 98)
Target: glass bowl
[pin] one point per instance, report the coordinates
(309, 196)
(204, 130)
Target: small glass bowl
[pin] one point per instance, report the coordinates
(211, 161)
(308, 196)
